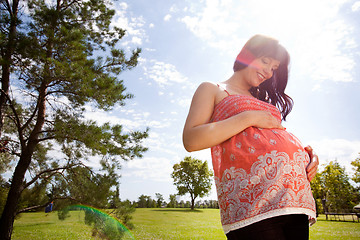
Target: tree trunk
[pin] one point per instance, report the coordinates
(17, 182)
(9, 213)
(7, 59)
(192, 203)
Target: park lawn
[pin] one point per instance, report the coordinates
(335, 229)
(177, 223)
(156, 223)
(40, 226)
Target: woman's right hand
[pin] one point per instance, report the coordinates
(263, 119)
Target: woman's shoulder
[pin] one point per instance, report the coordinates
(209, 86)
(213, 89)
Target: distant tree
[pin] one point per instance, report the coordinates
(356, 168)
(56, 58)
(115, 197)
(214, 204)
(160, 199)
(335, 188)
(142, 201)
(192, 176)
(153, 203)
(172, 203)
(319, 194)
(145, 201)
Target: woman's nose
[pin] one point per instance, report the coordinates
(268, 72)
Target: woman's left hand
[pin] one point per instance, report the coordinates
(311, 169)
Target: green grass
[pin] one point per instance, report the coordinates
(335, 229)
(40, 226)
(159, 224)
(177, 224)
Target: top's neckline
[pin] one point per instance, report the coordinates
(239, 95)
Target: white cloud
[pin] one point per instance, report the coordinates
(163, 73)
(356, 6)
(150, 168)
(167, 17)
(136, 40)
(129, 118)
(134, 26)
(342, 150)
(174, 9)
(184, 102)
(159, 168)
(320, 41)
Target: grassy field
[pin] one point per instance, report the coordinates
(160, 224)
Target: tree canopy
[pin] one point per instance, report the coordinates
(333, 190)
(356, 168)
(192, 176)
(57, 57)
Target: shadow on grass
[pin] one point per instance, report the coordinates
(34, 224)
(177, 210)
(337, 221)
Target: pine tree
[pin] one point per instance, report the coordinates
(56, 58)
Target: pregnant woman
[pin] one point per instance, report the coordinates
(262, 172)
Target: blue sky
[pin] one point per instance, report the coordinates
(185, 43)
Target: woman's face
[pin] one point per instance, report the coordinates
(261, 69)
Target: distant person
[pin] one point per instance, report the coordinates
(49, 207)
(262, 172)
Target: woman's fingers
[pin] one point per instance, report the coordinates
(312, 167)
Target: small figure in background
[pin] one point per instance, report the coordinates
(49, 207)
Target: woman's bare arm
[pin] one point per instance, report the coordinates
(199, 133)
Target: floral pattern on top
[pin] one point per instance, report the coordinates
(259, 173)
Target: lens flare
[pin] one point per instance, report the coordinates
(245, 57)
(104, 218)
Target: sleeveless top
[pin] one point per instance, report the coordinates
(259, 173)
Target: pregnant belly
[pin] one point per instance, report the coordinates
(252, 144)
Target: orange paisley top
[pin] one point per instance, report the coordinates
(259, 173)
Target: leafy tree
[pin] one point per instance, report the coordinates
(56, 58)
(172, 203)
(339, 191)
(356, 168)
(317, 187)
(160, 199)
(104, 226)
(214, 204)
(144, 201)
(81, 184)
(332, 188)
(115, 198)
(192, 176)
(4, 186)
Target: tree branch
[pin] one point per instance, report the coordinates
(53, 171)
(44, 205)
(16, 118)
(31, 117)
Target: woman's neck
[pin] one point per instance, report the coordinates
(237, 84)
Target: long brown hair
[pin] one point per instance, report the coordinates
(272, 90)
